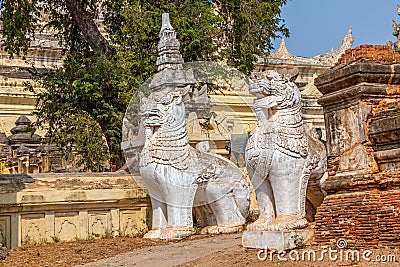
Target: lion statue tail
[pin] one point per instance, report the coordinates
(318, 164)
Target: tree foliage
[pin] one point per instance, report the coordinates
(83, 103)
(18, 22)
(86, 91)
(247, 29)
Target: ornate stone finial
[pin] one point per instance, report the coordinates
(348, 40)
(165, 22)
(21, 125)
(396, 32)
(347, 43)
(23, 132)
(23, 120)
(282, 52)
(333, 56)
(168, 47)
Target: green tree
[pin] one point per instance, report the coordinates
(83, 103)
(247, 29)
(84, 98)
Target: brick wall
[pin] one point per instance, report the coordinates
(370, 218)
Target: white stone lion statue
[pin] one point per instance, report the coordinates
(283, 157)
(179, 177)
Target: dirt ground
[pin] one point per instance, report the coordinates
(104, 252)
(62, 254)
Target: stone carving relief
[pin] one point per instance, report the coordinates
(355, 159)
(282, 155)
(66, 225)
(179, 177)
(132, 222)
(5, 231)
(99, 223)
(345, 123)
(215, 124)
(32, 227)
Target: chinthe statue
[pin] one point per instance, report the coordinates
(180, 178)
(283, 158)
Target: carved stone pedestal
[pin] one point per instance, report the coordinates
(279, 240)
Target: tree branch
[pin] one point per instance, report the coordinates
(88, 28)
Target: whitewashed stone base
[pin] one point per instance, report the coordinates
(70, 206)
(279, 240)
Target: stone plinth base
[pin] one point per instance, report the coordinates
(279, 240)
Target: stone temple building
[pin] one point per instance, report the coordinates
(14, 100)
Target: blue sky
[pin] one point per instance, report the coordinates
(317, 26)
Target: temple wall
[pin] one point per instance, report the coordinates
(370, 218)
(70, 206)
(14, 100)
(44, 52)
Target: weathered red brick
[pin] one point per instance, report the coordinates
(364, 53)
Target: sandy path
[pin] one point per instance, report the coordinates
(172, 254)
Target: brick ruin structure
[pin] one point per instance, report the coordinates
(361, 103)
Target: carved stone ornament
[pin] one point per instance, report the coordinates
(396, 33)
(283, 158)
(180, 178)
